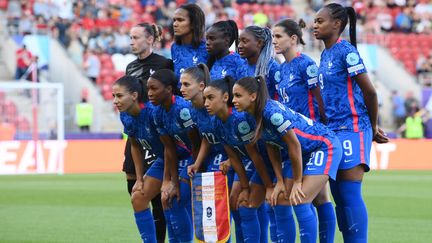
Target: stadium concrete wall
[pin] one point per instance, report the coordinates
(102, 156)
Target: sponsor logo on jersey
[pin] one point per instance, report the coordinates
(195, 60)
(151, 71)
(223, 73)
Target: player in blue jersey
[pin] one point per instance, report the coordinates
(176, 128)
(298, 139)
(219, 37)
(255, 45)
(298, 81)
(236, 130)
(352, 110)
(299, 90)
(189, 47)
(193, 81)
(137, 119)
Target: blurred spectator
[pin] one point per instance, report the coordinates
(84, 115)
(404, 21)
(23, 61)
(399, 111)
(414, 125)
(92, 65)
(260, 19)
(412, 105)
(122, 41)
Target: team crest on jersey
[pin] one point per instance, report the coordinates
(352, 58)
(277, 76)
(243, 127)
(195, 60)
(223, 73)
(276, 119)
(312, 71)
(185, 114)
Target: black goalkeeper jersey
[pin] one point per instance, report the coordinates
(143, 68)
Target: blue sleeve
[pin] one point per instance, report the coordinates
(273, 75)
(311, 74)
(278, 119)
(127, 124)
(353, 61)
(241, 69)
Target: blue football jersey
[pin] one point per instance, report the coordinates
(297, 78)
(237, 131)
(203, 121)
(232, 65)
(143, 128)
(343, 98)
(176, 122)
(270, 77)
(185, 56)
(278, 120)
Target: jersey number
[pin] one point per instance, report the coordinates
(317, 159)
(210, 137)
(347, 145)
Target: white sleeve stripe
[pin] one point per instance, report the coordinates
(313, 81)
(284, 126)
(188, 123)
(356, 68)
(248, 136)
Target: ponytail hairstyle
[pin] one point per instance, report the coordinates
(197, 21)
(167, 78)
(152, 30)
(229, 29)
(293, 28)
(225, 85)
(200, 73)
(256, 85)
(341, 13)
(266, 53)
(132, 85)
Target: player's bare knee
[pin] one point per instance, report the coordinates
(321, 198)
(139, 199)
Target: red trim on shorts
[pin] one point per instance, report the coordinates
(322, 139)
(310, 105)
(362, 149)
(352, 106)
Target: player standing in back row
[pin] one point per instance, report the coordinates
(352, 111)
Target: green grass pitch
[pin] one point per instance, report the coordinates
(96, 208)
